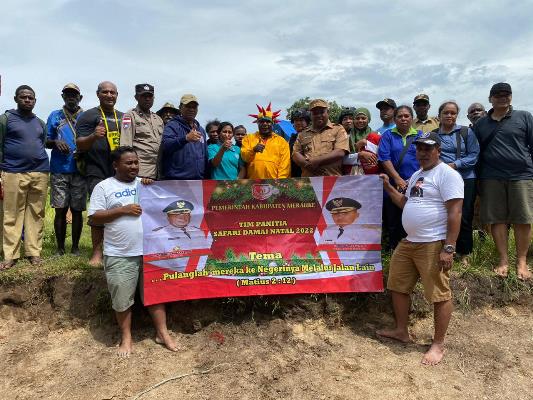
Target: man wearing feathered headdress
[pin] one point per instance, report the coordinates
(266, 154)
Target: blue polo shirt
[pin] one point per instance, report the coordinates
(228, 169)
(469, 151)
(57, 128)
(391, 146)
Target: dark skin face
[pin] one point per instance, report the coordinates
(213, 133)
(145, 101)
(421, 109)
(72, 99)
(347, 122)
(448, 116)
(25, 100)
(127, 167)
(361, 121)
(189, 111)
(239, 135)
(427, 155)
(167, 114)
(107, 94)
(299, 124)
(265, 127)
(403, 120)
(475, 112)
(386, 113)
(319, 117)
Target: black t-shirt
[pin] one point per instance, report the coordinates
(98, 158)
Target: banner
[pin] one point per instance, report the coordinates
(205, 239)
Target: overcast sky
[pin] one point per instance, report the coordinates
(232, 55)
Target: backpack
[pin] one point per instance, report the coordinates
(462, 133)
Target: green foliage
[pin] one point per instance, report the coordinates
(334, 108)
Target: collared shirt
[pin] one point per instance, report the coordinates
(391, 146)
(143, 131)
(181, 159)
(426, 125)
(508, 156)
(58, 128)
(469, 151)
(228, 169)
(384, 128)
(272, 163)
(313, 143)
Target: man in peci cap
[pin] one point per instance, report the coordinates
(265, 153)
(505, 174)
(320, 148)
(422, 122)
(184, 149)
(142, 129)
(167, 112)
(68, 185)
(386, 109)
(431, 217)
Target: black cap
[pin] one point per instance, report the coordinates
(179, 207)
(342, 204)
(429, 138)
(385, 102)
(499, 88)
(144, 88)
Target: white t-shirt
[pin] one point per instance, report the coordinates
(123, 237)
(424, 215)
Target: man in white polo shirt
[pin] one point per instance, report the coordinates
(431, 217)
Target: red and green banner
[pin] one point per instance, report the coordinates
(205, 239)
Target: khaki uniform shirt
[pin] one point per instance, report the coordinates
(143, 132)
(313, 143)
(426, 126)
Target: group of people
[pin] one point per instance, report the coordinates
(432, 168)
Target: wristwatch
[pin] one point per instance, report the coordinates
(449, 248)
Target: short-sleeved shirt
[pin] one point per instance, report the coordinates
(427, 125)
(229, 165)
(58, 127)
(98, 158)
(123, 237)
(274, 162)
(391, 146)
(143, 132)
(509, 154)
(424, 216)
(313, 143)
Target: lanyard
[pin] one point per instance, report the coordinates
(105, 119)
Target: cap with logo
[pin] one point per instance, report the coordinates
(501, 87)
(429, 138)
(318, 103)
(188, 98)
(142, 88)
(71, 86)
(421, 98)
(179, 207)
(342, 204)
(386, 102)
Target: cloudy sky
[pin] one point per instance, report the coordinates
(234, 54)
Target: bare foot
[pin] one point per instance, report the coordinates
(501, 270)
(434, 355)
(523, 273)
(167, 341)
(95, 261)
(125, 348)
(396, 334)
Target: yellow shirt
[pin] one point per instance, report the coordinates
(426, 126)
(273, 163)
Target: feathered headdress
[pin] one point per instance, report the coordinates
(266, 113)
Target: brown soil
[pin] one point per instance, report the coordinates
(57, 341)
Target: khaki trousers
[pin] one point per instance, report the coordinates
(24, 206)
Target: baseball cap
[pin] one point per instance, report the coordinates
(71, 86)
(430, 138)
(386, 102)
(421, 97)
(500, 87)
(144, 88)
(188, 98)
(318, 103)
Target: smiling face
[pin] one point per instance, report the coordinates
(179, 220)
(319, 117)
(501, 100)
(107, 94)
(265, 127)
(448, 115)
(361, 121)
(345, 218)
(127, 167)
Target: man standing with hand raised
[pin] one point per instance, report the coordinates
(98, 131)
(183, 144)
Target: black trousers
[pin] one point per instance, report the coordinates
(465, 241)
(392, 218)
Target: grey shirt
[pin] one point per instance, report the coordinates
(508, 155)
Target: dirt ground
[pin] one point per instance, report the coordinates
(490, 356)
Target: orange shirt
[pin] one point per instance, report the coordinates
(273, 163)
